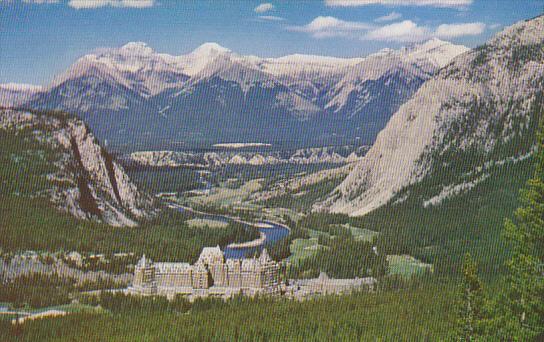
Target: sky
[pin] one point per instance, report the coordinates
(41, 38)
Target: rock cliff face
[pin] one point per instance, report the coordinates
(480, 110)
(87, 182)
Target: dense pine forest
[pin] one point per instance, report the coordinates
(425, 313)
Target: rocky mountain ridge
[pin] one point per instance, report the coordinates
(87, 182)
(481, 109)
(223, 158)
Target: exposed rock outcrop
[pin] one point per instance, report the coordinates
(481, 108)
(88, 182)
(316, 155)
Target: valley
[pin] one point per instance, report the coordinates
(322, 198)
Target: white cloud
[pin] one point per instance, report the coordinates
(408, 31)
(40, 2)
(495, 26)
(390, 17)
(459, 30)
(326, 27)
(80, 4)
(434, 3)
(271, 18)
(264, 7)
(405, 31)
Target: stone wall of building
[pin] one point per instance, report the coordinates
(301, 288)
(211, 272)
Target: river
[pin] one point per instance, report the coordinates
(273, 233)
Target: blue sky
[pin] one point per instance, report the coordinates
(41, 38)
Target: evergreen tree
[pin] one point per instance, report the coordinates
(470, 307)
(522, 305)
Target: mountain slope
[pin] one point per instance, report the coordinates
(13, 94)
(133, 94)
(479, 111)
(54, 157)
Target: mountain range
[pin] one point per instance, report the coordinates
(136, 98)
(451, 117)
(214, 159)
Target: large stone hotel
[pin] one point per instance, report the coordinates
(211, 275)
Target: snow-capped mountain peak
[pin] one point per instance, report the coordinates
(315, 60)
(203, 56)
(430, 44)
(22, 87)
(15, 94)
(139, 48)
(209, 49)
(439, 52)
